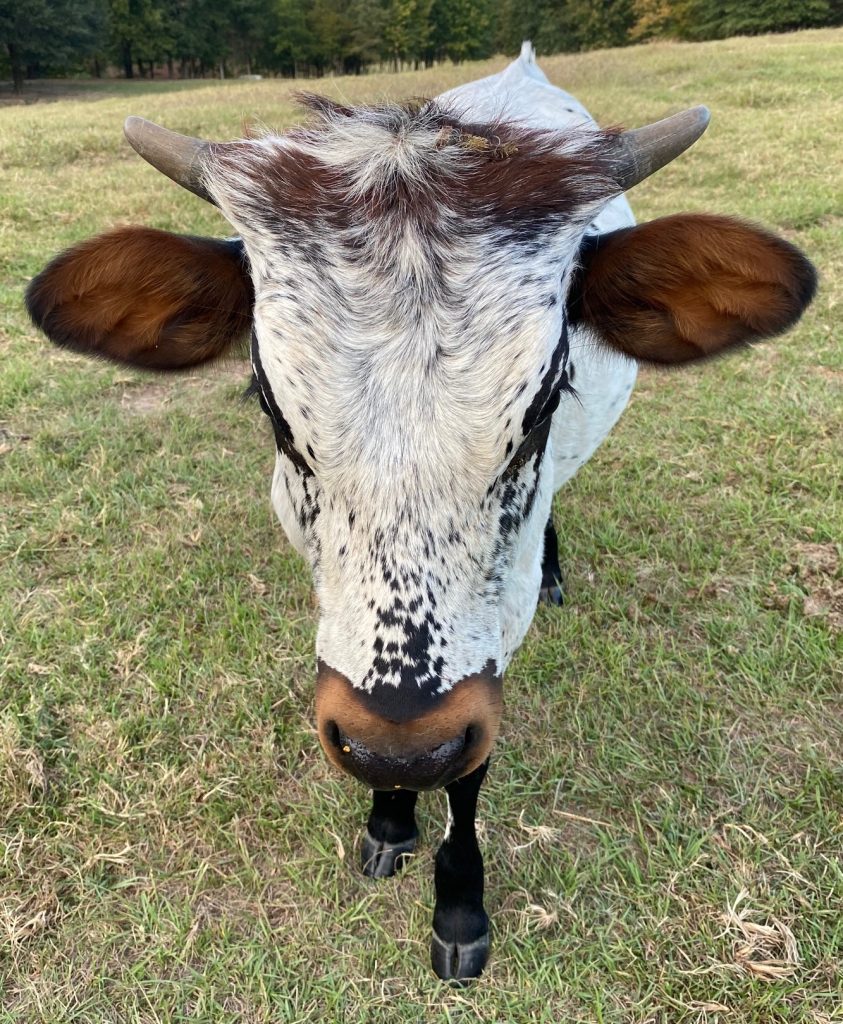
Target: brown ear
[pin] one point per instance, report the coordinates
(690, 286)
(145, 297)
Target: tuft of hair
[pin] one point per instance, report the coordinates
(350, 165)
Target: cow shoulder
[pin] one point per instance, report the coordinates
(687, 287)
(145, 297)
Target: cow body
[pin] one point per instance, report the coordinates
(446, 304)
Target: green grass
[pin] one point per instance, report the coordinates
(663, 822)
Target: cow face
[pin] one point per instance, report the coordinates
(410, 347)
(411, 286)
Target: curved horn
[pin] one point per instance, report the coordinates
(180, 157)
(645, 150)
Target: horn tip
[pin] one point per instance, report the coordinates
(703, 116)
(133, 126)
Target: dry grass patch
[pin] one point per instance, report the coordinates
(765, 950)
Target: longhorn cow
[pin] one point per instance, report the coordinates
(446, 304)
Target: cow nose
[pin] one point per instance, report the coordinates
(425, 769)
(391, 740)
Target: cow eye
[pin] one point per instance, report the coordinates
(263, 403)
(551, 407)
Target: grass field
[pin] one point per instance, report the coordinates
(663, 822)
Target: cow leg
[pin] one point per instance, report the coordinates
(553, 586)
(460, 945)
(390, 832)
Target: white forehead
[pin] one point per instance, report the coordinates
(439, 389)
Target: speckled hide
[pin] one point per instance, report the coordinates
(411, 344)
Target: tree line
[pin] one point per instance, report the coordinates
(301, 38)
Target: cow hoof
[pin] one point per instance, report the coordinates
(459, 962)
(380, 859)
(552, 595)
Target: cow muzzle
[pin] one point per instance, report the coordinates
(396, 740)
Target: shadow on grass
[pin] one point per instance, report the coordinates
(53, 90)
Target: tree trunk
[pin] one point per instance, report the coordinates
(17, 67)
(126, 56)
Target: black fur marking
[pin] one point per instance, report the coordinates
(405, 702)
(252, 390)
(284, 440)
(534, 443)
(554, 382)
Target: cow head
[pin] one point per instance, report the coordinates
(411, 286)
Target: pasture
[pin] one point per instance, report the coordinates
(663, 822)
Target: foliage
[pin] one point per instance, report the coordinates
(304, 37)
(47, 35)
(716, 19)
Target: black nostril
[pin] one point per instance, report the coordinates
(332, 731)
(415, 769)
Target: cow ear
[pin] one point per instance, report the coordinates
(688, 287)
(146, 298)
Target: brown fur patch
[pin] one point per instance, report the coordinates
(503, 174)
(690, 286)
(145, 297)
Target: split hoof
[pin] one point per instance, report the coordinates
(381, 859)
(459, 962)
(552, 595)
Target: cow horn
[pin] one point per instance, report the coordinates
(180, 157)
(645, 150)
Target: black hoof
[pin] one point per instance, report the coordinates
(552, 595)
(380, 859)
(459, 962)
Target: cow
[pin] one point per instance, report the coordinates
(446, 303)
